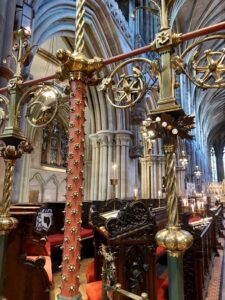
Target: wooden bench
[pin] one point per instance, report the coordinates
(198, 260)
(26, 277)
(131, 237)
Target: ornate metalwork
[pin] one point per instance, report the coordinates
(9, 168)
(206, 68)
(132, 216)
(21, 52)
(172, 209)
(42, 108)
(128, 89)
(175, 240)
(4, 102)
(168, 127)
(79, 35)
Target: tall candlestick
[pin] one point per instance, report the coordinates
(135, 193)
(114, 167)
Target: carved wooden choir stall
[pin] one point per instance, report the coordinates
(127, 229)
(28, 275)
(129, 234)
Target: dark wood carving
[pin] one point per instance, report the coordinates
(24, 279)
(131, 237)
(132, 216)
(198, 261)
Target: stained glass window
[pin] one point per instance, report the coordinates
(54, 145)
(213, 165)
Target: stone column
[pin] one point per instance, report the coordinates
(180, 180)
(94, 167)
(105, 162)
(145, 177)
(110, 160)
(219, 164)
(122, 151)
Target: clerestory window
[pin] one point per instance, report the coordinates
(213, 165)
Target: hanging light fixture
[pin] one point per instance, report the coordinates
(183, 159)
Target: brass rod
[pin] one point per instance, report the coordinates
(134, 52)
(202, 31)
(31, 82)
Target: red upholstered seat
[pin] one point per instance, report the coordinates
(48, 247)
(37, 248)
(47, 266)
(160, 251)
(194, 219)
(86, 233)
(56, 239)
(90, 272)
(162, 286)
(94, 290)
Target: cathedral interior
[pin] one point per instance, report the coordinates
(112, 149)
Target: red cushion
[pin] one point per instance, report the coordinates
(34, 248)
(86, 233)
(90, 272)
(165, 283)
(194, 219)
(94, 290)
(56, 239)
(161, 288)
(48, 248)
(47, 266)
(160, 251)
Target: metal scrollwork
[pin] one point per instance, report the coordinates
(128, 89)
(42, 108)
(206, 68)
(4, 102)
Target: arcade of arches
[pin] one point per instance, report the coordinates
(114, 145)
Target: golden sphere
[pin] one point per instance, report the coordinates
(7, 223)
(174, 239)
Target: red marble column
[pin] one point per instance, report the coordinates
(74, 194)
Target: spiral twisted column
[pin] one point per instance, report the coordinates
(172, 209)
(7, 189)
(79, 23)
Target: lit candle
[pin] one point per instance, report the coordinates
(135, 193)
(185, 202)
(159, 194)
(192, 207)
(114, 167)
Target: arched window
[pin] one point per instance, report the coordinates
(213, 165)
(54, 145)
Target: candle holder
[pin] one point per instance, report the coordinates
(114, 183)
(135, 197)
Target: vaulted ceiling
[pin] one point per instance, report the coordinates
(209, 104)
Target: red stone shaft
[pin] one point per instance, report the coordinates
(74, 191)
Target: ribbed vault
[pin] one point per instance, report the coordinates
(57, 18)
(209, 105)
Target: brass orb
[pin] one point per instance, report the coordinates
(7, 223)
(174, 239)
